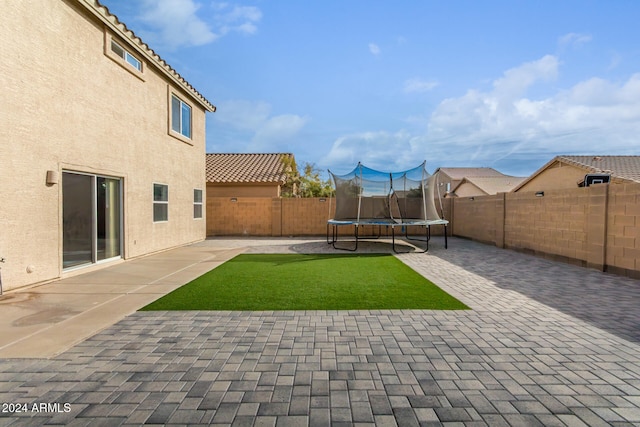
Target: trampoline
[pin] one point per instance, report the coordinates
(368, 197)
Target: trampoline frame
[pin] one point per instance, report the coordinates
(334, 225)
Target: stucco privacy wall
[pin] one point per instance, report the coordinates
(597, 226)
(69, 106)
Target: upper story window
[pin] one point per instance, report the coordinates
(124, 54)
(180, 116)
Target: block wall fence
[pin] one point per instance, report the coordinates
(276, 217)
(596, 227)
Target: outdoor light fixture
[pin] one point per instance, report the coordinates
(539, 193)
(52, 177)
(472, 198)
(323, 199)
(234, 199)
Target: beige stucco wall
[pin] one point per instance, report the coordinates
(68, 106)
(557, 176)
(467, 189)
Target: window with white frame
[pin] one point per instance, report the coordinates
(160, 202)
(124, 54)
(180, 116)
(197, 203)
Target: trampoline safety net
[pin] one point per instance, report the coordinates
(365, 195)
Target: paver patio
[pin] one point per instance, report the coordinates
(545, 344)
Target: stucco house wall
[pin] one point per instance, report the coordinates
(467, 189)
(70, 105)
(558, 176)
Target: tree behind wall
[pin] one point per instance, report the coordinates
(309, 184)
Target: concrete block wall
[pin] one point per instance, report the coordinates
(241, 216)
(553, 224)
(475, 218)
(622, 251)
(276, 217)
(306, 216)
(597, 227)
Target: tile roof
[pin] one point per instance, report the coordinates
(622, 167)
(246, 168)
(493, 184)
(625, 167)
(112, 22)
(459, 173)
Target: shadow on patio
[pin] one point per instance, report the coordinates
(605, 300)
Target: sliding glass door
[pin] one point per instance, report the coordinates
(91, 219)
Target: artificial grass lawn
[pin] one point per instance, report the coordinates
(309, 282)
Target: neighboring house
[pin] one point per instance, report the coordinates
(103, 143)
(486, 185)
(563, 172)
(247, 175)
(450, 178)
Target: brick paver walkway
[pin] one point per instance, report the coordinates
(544, 344)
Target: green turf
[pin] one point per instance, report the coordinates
(309, 282)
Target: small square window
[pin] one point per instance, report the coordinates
(197, 204)
(180, 116)
(124, 54)
(160, 202)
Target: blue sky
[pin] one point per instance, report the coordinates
(505, 84)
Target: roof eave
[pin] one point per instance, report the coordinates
(107, 18)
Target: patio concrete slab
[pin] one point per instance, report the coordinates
(46, 320)
(544, 344)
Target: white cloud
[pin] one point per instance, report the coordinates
(385, 150)
(481, 128)
(374, 49)
(178, 23)
(262, 130)
(277, 131)
(242, 19)
(417, 85)
(517, 80)
(574, 39)
(592, 116)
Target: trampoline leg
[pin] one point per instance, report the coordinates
(427, 233)
(427, 237)
(445, 237)
(393, 237)
(335, 239)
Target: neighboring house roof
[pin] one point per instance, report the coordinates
(247, 168)
(460, 173)
(626, 168)
(102, 13)
(492, 184)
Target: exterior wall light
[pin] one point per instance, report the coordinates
(234, 199)
(539, 193)
(52, 177)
